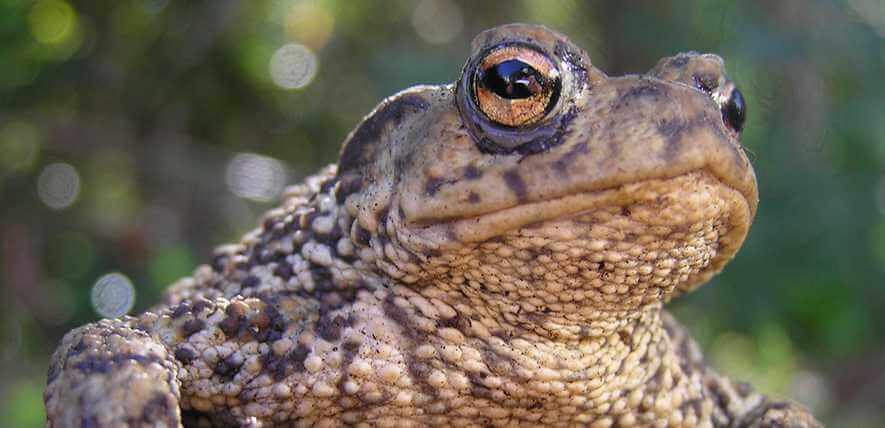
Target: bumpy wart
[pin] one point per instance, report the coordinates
(495, 252)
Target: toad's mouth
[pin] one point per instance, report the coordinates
(655, 210)
(685, 191)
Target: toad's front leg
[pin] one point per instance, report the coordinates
(110, 374)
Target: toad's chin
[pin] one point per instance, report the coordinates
(640, 217)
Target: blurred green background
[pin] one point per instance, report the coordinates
(136, 135)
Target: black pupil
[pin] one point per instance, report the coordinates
(734, 112)
(513, 79)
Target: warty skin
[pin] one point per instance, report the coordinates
(450, 271)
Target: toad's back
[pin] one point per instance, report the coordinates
(492, 252)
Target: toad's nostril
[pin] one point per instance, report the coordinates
(705, 83)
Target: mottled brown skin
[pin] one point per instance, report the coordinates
(448, 274)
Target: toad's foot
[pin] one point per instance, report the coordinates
(110, 374)
(780, 414)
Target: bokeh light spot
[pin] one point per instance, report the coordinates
(437, 21)
(293, 66)
(310, 23)
(58, 185)
(52, 22)
(256, 177)
(113, 295)
(19, 143)
(810, 389)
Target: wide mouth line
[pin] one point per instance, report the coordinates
(539, 204)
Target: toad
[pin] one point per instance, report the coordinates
(493, 252)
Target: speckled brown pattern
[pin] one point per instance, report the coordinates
(453, 272)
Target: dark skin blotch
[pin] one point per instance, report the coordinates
(76, 349)
(645, 90)
(280, 367)
(251, 281)
(625, 337)
(459, 322)
(232, 325)
(305, 220)
(159, 409)
(432, 186)
(760, 410)
(347, 185)
(185, 354)
(673, 131)
(274, 365)
(104, 364)
(322, 278)
(327, 185)
(652, 90)
(472, 173)
(219, 261)
(360, 235)
(180, 310)
(228, 367)
(54, 371)
(672, 128)
(382, 214)
(193, 326)
(297, 357)
(679, 61)
(419, 372)
(516, 185)
(331, 238)
(361, 145)
(270, 323)
(477, 389)
(498, 363)
(562, 164)
(269, 224)
(400, 316)
(283, 270)
(201, 304)
(350, 349)
(330, 329)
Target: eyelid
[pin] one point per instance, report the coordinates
(537, 60)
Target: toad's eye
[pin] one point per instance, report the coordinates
(734, 111)
(516, 86)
